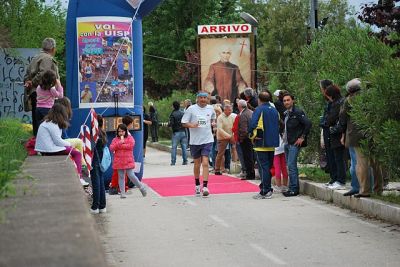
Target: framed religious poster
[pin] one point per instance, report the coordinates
(225, 66)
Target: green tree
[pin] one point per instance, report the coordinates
(283, 31)
(337, 54)
(27, 23)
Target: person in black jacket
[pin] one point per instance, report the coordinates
(297, 127)
(178, 133)
(325, 145)
(96, 175)
(335, 133)
(154, 122)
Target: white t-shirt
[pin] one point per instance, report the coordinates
(203, 116)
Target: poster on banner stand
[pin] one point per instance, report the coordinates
(105, 75)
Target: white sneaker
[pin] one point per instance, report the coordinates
(337, 186)
(205, 192)
(103, 210)
(83, 182)
(197, 190)
(122, 196)
(96, 211)
(277, 189)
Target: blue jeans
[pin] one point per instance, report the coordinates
(265, 161)
(355, 186)
(291, 153)
(179, 138)
(99, 192)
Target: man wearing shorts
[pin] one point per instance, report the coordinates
(200, 118)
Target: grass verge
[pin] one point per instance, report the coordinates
(314, 174)
(12, 153)
(391, 197)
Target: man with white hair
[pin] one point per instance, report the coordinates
(244, 140)
(224, 78)
(41, 63)
(200, 118)
(362, 162)
(352, 136)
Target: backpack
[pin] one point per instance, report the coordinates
(106, 160)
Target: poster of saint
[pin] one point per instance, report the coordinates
(225, 66)
(105, 61)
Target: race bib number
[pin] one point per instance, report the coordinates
(202, 121)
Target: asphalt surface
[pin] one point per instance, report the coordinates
(236, 230)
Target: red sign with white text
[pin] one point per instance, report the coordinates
(223, 29)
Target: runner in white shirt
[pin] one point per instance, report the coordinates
(200, 118)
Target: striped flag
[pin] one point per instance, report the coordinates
(87, 147)
(95, 125)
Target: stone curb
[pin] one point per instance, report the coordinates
(47, 222)
(367, 206)
(370, 207)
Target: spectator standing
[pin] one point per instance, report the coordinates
(224, 138)
(244, 140)
(146, 122)
(325, 145)
(297, 127)
(235, 132)
(281, 174)
(47, 92)
(351, 135)
(199, 118)
(251, 98)
(41, 63)
(96, 175)
(154, 122)
(122, 146)
(335, 133)
(178, 133)
(264, 131)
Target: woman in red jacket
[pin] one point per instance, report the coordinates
(122, 147)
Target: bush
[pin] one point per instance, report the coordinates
(377, 112)
(336, 54)
(164, 109)
(12, 152)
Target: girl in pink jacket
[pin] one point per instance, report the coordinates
(122, 147)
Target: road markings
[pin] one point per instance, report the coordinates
(219, 220)
(268, 255)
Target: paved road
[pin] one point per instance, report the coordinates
(235, 230)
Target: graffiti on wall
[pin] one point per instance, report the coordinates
(13, 65)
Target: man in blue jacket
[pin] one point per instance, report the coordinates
(264, 131)
(297, 127)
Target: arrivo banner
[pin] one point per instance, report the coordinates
(223, 29)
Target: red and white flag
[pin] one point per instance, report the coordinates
(87, 147)
(95, 125)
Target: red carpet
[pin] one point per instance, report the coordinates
(184, 185)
